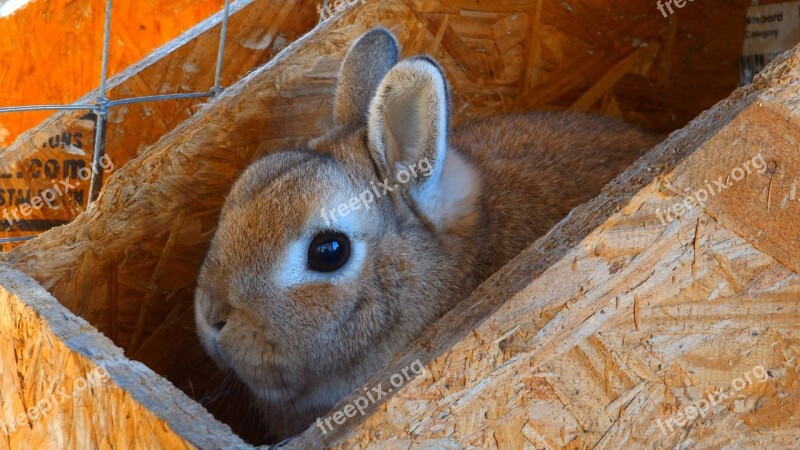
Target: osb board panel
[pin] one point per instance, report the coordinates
(53, 152)
(762, 209)
(51, 49)
(601, 333)
(64, 385)
(621, 58)
(129, 264)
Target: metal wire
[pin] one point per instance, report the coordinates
(9, 240)
(106, 39)
(103, 104)
(109, 104)
(217, 88)
(102, 111)
(75, 106)
(156, 98)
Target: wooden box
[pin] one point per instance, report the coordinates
(653, 315)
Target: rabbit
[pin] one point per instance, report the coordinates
(304, 299)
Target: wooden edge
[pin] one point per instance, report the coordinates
(549, 249)
(151, 402)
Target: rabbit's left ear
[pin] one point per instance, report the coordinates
(407, 133)
(365, 65)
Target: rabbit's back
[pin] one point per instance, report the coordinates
(539, 166)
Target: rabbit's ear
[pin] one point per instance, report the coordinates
(407, 132)
(365, 65)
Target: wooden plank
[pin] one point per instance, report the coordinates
(64, 385)
(606, 332)
(54, 152)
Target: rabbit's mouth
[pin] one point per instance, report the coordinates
(253, 362)
(272, 385)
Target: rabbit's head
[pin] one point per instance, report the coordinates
(330, 258)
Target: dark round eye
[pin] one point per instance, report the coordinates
(328, 251)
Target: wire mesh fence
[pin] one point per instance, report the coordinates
(102, 105)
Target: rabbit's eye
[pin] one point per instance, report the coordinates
(328, 251)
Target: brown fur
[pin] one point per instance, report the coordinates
(302, 346)
(543, 165)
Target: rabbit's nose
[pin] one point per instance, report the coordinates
(217, 316)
